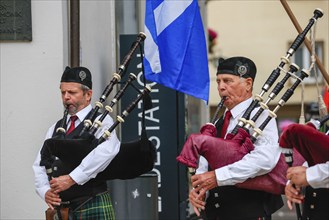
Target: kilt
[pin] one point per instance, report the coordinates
(100, 207)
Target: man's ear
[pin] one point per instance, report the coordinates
(89, 94)
(249, 83)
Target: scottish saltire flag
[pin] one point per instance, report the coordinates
(175, 47)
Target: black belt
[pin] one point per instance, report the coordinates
(76, 203)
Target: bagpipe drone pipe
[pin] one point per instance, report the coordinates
(221, 152)
(133, 159)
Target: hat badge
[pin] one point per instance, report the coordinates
(82, 75)
(242, 70)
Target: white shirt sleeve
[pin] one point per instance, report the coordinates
(318, 175)
(99, 158)
(41, 181)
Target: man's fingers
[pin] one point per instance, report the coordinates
(194, 177)
(196, 199)
(289, 205)
(196, 180)
(201, 194)
(50, 206)
(193, 193)
(196, 183)
(199, 200)
(200, 188)
(197, 188)
(198, 203)
(196, 210)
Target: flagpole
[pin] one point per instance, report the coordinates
(306, 41)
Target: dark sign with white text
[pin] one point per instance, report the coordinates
(165, 127)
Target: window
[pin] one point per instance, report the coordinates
(302, 58)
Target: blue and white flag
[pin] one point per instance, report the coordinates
(175, 47)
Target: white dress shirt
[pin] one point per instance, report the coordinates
(96, 161)
(259, 161)
(318, 175)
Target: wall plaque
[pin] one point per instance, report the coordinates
(15, 20)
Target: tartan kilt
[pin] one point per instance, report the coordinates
(98, 208)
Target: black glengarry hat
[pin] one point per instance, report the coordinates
(239, 66)
(77, 74)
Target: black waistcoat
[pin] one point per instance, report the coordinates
(316, 204)
(92, 187)
(232, 203)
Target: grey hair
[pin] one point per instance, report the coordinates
(84, 88)
(244, 79)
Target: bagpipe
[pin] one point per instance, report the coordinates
(221, 152)
(133, 159)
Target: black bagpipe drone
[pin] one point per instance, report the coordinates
(221, 152)
(133, 159)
